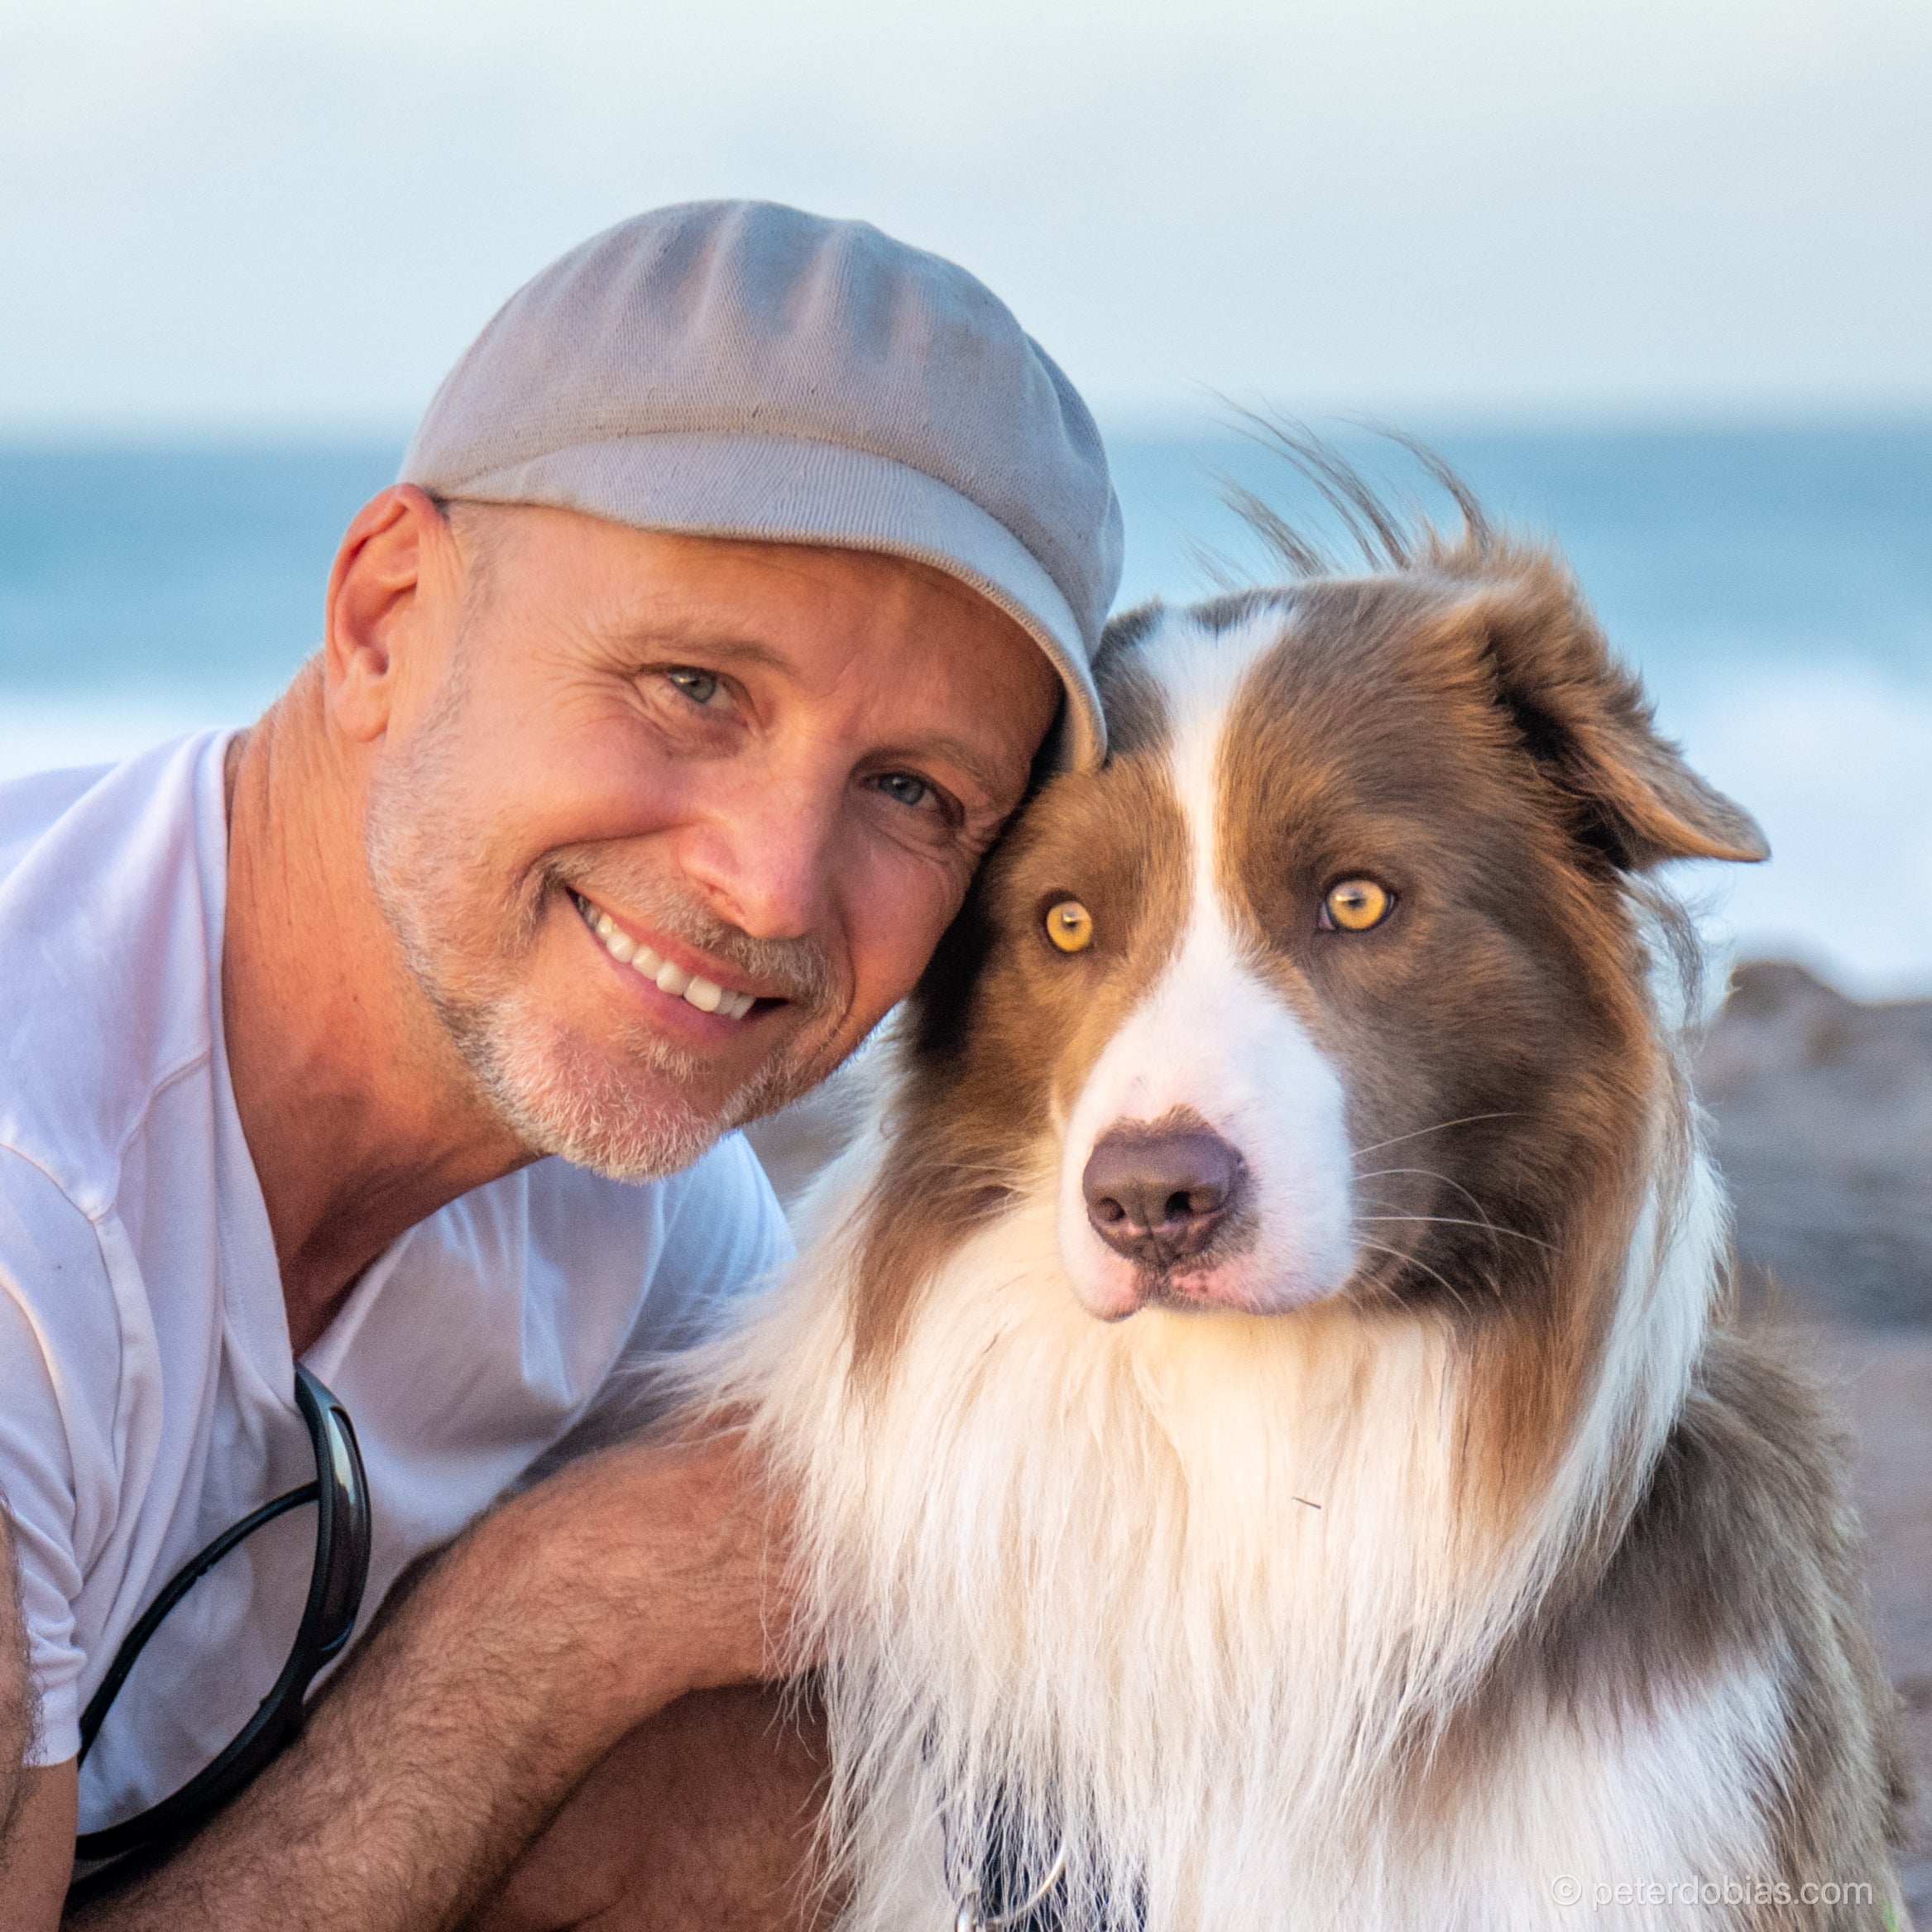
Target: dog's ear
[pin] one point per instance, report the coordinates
(1587, 723)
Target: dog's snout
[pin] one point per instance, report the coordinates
(1158, 1195)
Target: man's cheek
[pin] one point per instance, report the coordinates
(894, 926)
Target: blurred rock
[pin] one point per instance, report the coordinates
(1822, 1112)
(1881, 1380)
(1823, 1116)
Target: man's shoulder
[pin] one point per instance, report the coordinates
(111, 893)
(61, 1327)
(30, 805)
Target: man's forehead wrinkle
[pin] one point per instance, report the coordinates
(712, 623)
(707, 646)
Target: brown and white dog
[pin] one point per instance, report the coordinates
(1270, 1454)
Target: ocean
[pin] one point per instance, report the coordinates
(1773, 585)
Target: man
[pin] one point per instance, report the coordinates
(738, 576)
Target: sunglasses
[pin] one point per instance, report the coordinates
(340, 1493)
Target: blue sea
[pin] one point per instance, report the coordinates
(1774, 585)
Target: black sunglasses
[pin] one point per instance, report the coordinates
(341, 1494)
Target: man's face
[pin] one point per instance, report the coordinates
(672, 823)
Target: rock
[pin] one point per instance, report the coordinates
(1822, 1112)
(1822, 1116)
(1880, 1378)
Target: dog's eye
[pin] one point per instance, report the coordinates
(1071, 926)
(1356, 905)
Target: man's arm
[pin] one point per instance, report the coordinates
(543, 1638)
(37, 1855)
(706, 1819)
(36, 1805)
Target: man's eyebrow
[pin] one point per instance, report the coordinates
(723, 647)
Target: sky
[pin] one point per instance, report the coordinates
(271, 216)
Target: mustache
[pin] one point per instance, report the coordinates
(800, 971)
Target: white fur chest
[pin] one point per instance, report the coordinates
(1183, 1594)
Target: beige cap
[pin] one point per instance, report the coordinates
(740, 369)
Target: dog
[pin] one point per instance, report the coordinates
(1270, 1448)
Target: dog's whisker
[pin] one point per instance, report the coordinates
(1377, 1173)
(1408, 1260)
(1475, 1201)
(1440, 1126)
(1446, 1221)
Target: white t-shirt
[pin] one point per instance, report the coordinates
(147, 1389)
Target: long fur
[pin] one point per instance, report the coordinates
(1383, 1609)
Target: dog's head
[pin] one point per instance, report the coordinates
(1331, 980)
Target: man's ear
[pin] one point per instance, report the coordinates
(393, 567)
(1587, 723)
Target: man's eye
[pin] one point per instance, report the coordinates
(903, 788)
(700, 687)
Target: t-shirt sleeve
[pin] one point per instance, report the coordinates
(49, 1254)
(723, 1238)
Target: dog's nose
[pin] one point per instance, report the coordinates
(1158, 1196)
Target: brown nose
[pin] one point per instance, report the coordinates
(1158, 1196)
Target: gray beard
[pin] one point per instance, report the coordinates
(555, 1095)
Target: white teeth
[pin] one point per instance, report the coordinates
(706, 995)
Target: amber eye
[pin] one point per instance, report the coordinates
(1071, 926)
(1356, 905)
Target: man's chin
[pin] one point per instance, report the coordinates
(630, 1122)
(645, 1151)
(636, 1123)
(624, 1137)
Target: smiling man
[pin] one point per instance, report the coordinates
(738, 578)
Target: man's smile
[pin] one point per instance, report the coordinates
(707, 994)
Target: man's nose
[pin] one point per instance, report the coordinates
(1160, 1194)
(762, 860)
